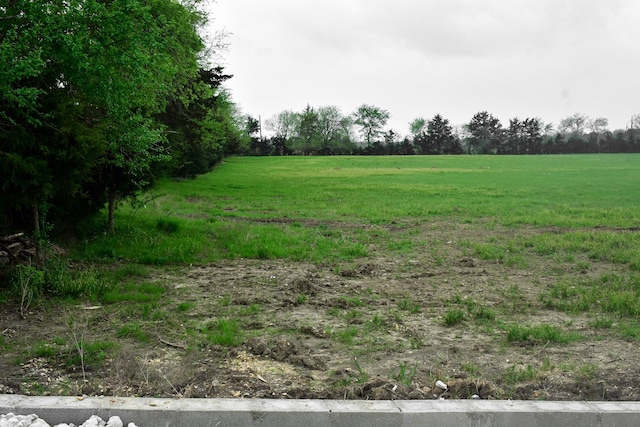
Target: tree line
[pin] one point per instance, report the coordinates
(326, 131)
(100, 98)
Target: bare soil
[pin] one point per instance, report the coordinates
(369, 329)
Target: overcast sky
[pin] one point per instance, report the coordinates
(417, 58)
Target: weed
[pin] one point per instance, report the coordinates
(471, 368)
(301, 299)
(453, 317)
(353, 315)
(409, 305)
(547, 364)
(588, 371)
(484, 313)
(92, 353)
(334, 312)
(515, 374)
(396, 316)
(146, 311)
(133, 292)
(539, 334)
(44, 350)
(601, 323)
(133, 330)
(377, 322)
(629, 330)
(249, 310)
(28, 283)
(346, 336)
(352, 301)
(225, 300)
(416, 343)
(362, 376)
(224, 332)
(404, 375)
(185, 306)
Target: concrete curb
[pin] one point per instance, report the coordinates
(148, 412)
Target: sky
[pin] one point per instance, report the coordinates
(548, 59)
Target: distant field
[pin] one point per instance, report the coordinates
(257, 206)
(588, 190)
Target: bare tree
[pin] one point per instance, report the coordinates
(573, 124)
(283, 124)
(598, 125)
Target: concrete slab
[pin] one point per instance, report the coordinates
(148, 412)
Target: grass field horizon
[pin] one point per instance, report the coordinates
(318, 208)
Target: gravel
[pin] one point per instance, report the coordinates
(11, 420)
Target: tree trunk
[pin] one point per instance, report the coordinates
(111, 209)
(37, 236)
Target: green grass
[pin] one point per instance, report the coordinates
(134, 292)
(539, 334)
(321, 209)
(133, 330)
(94, 353)
(185, 306)
(517, 374)
(409, 305)
(614, 294)
(454, 316)
(346, 335)
(405, 374)
(224, 332)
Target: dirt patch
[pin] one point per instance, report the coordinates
(381, 328)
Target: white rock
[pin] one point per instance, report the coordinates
(94, 421)
(12, 420)
(441, 385)
(114, 422)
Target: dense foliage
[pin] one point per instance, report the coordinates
(94, 95)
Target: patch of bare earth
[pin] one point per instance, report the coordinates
(373, 329)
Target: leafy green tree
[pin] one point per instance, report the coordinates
(418, 129)
(418, 126)
(200, 127)
(515, 137)
(333, 130)
(533, 136)
(486, 134)
(371, 120)
(90, 75)
(307, 139)
(440, 138)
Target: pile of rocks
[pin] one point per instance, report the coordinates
(16, 249)
(11, 420)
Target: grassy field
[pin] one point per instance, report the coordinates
(262, 207)
(340, 277)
